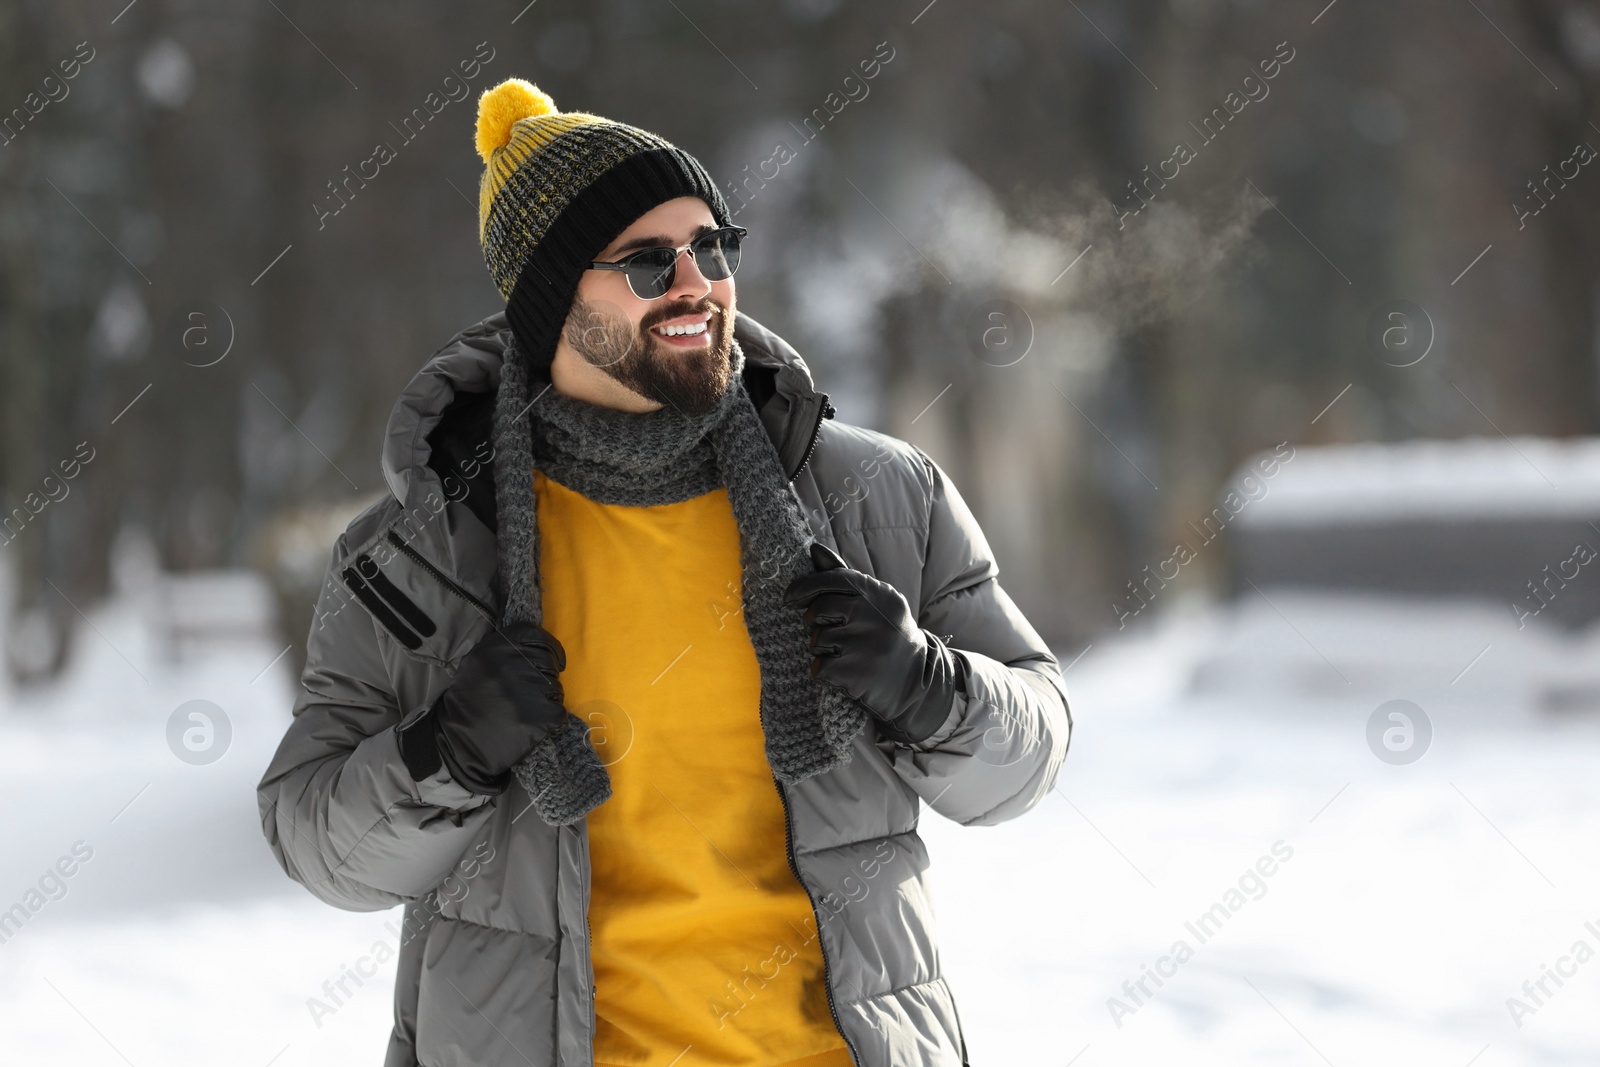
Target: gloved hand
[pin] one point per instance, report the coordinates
(865, 639)
(505, 698)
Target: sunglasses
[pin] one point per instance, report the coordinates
(650, 271)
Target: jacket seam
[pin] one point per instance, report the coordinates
(441, 917)
(936, 979)
(334, 868)
(883, 526)
(335, 880)
(342, 701)
(931, 472)
(388, 813)
(858, 841)
(929, 744)
(991, 811)
(988, 703)
(411, 450)
(953, 590)
(997, 807)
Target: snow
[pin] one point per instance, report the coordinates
(1473, 477)
(180, 940)
(1415, 901)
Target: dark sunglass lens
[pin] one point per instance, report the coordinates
(650, 273)
(717, 254)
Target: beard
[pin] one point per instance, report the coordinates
(692, 380)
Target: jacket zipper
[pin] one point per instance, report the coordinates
(827, 983)
(444, 579)
(588, 949)
(827, 412)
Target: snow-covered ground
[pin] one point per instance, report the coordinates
(179, 940)
(1417, 900)
(1404, 903)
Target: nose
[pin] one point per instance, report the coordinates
(687, 281)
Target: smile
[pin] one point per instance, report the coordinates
(684, 330)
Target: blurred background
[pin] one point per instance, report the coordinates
(1261, 338)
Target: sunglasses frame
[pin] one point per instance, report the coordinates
(626, 261)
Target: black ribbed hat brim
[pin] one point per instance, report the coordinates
(548, 282)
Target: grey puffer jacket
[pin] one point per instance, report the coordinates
(494, 964)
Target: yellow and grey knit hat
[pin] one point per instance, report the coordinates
(557, 188)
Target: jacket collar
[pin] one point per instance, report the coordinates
(470, 363)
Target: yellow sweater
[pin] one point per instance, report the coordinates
(704, 943)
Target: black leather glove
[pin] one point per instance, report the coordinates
(505, 699)
(865, 639)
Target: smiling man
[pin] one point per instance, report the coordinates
(634, 354)
(632, 692)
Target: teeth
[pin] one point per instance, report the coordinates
(677, 331)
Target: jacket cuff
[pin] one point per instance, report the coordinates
(419, 747)
(442, 791)
(936, 715)
(958, 710)
(437, 788)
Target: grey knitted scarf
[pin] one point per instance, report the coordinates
(662, 457)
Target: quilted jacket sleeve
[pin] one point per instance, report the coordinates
(1001, 748)
(339, 809)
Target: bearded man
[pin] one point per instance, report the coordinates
(632, 691)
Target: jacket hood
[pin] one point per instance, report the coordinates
(776, 376)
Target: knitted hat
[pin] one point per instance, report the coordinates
(557, 188)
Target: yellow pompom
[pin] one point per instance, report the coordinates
(499, 109)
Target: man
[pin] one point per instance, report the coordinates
(633, 690)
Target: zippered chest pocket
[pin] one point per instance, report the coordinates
(428, 613)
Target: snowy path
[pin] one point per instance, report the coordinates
(1416, 900)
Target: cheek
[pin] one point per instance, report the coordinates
(610, 295)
